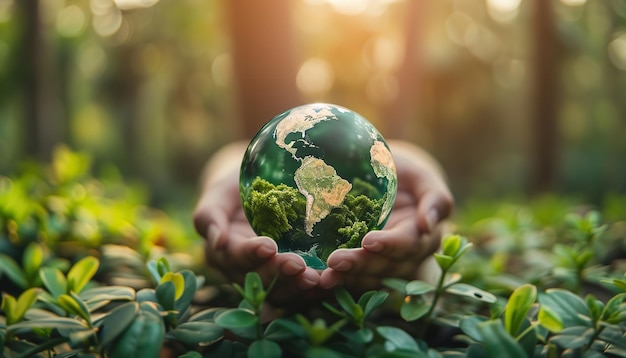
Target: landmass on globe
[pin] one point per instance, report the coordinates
(317, 178)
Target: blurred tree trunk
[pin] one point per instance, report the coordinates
(43, 127)
(399, 113)
(545, 96)
(264, 58)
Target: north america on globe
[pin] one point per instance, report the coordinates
(316, 178)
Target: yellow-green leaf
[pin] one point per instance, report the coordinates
(8, 306)
(71, 305)
(54, 280)
(178, 280)
(32, 259)
(26, 299)
(549, 319)
(517, 307)
(81, 273)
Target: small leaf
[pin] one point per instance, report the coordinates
(54, 323)
(397, 339)
(71, 305)
(416, 287)
(143, 338)
(198, 332)
(517, 308)
(451, 245)
(444, 261)
(81, 273)
(190, 287)
(163, 266)
(548, 319)
(54, 280)
(253, 288)
(612, 307)
(463, 289)
(412, 310)
(570, 308)
(237, 318)
(374, 301)
(8, 306)
(346, 302)
(177, 279)
(166, 293)
(396, 284)
(264, 348)
(114, 323)
(9, 267)
(497, 342)
(154, 271)
(573, 337)
(111, 293)
(24, 302)
(469, 326)
(207, 315)
(32, 259)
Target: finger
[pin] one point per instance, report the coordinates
(241, 255)
(434, 206)
(399, 241)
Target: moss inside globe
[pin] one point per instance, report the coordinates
(316, 178)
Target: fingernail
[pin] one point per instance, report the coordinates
(265, 252)
(431, 220)
(344, 265)
(291, 268)
(375, 246)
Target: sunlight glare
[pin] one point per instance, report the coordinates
(574, 2)
(617, 51)
(133, 4)
(349, 7)
(315, 77)
(70, 21)
(6, 8)
(503, 10)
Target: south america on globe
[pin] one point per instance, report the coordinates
(316, 178)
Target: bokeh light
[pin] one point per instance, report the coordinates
(617, 50)
(503, 10)
(71, 21)
(315, 78)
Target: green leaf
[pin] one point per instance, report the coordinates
(163, 266)
(346, 302)
(190, 287)
(12, 270)
(416, 287)
(612, 308)
(548, 319)
(207, 315)
(32, 260)
(497, 342)
(108, 293)
(451, 245)
(570, 308)
(54, 280)
(253, 288)
(54, 323)
(621, 284)
(444, 261)
(237, 318)
(143, 338)
(166, 293)
(81, 273)
(9, 307)
(463, 289)
(373, 301)
(412, 310)
(177, 279)
(198, 332)
(73, 306)
(114, 323)
(153, 270)
(191, 354)
(397, 339)
(469, 326)
(24, 302)
(264, 348)
(517, 308)
(573, 337)
(396, 284)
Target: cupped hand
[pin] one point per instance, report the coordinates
(234, 249)
(410, 235)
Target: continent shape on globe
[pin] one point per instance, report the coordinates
(316, 178)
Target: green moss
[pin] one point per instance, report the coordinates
(272, 208)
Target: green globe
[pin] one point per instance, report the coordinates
(316, 178)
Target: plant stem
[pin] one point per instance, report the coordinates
(433, 304)
(42, 347)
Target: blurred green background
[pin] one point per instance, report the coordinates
(513, 97)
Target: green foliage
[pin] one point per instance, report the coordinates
(529, 284)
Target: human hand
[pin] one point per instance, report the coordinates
(409, 237)
(231, 245)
